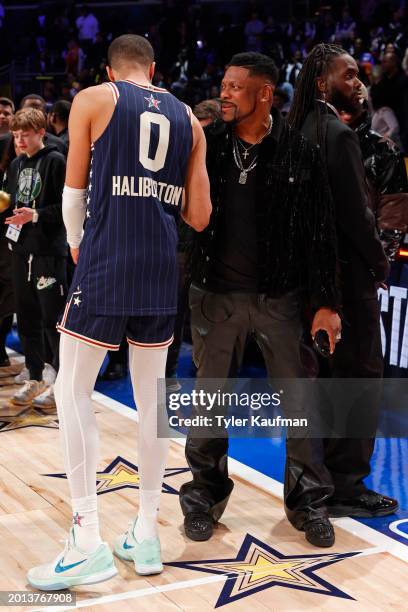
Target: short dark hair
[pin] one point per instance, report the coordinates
(62, 109)
(33, 97)
(130, 48)
(7, 102)
(257, 64)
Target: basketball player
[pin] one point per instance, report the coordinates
(147, 147)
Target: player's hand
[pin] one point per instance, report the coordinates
(330, 322)
(21, 216)
(74, 255)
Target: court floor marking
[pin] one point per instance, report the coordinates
(173, 586)
(372, 536)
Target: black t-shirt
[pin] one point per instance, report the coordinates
(235, 267)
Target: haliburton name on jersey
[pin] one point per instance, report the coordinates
(146, 187)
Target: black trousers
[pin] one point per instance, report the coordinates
(358, 355)
(184, 282)
(40, 293)
(220, 326)
(345, 460)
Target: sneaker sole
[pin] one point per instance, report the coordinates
(141, 570)
(67, 583)
(148, 570)
(44, 407)
(20, 403)
(342, 511)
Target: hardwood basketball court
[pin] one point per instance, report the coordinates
(255, 561)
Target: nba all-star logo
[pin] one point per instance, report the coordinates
(29, 185)
(122, 474)
(258, 566)
(152, 102)
(28, 417)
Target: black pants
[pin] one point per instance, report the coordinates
(40, 293)
(220, 326)
(182, 307)
(346, 460)
(358, 355)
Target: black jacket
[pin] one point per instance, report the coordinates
(47, 236)
(384, 163)
(361, 255)
(294, 221)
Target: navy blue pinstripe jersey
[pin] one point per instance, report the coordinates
(127, 263)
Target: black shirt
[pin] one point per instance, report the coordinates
(235, 263)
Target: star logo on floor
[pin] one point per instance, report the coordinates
(29, 417)
(122, 474)
(153, 102)
(258, 566)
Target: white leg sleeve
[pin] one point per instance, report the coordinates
(146, 366)
(79, 367)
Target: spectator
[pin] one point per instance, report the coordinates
(345, 28)
(74, 58)
(6, 285)
(58, 120)
(253, 33)
(36, 234)
(88, 27)
(37, 102)
(6, 117)
(281, 101)
(207, 112)
(383, 120)
(394, 86)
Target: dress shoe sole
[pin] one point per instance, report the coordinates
(343, 511)
(198, 536)
(321, 543)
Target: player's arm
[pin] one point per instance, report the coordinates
(79, 155)
(196, 209)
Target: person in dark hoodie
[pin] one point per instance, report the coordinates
(37, 238)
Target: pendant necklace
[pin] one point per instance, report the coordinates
(243, 175)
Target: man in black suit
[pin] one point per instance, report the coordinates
(327, 84)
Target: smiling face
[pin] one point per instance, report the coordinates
(341, 84)
(243, 95)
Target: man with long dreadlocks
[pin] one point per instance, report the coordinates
(328, 83)
(269, 250)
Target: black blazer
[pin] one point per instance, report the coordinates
(362, 260)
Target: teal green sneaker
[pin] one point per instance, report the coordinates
(73, 567)
(146, 555)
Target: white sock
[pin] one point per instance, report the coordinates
(86, 523)
(146, 524)
(146, 366)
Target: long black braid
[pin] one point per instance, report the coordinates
(306, 93)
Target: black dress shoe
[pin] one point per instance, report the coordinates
(319, 532)
(114, 372)
(368, 505)
(199, 526)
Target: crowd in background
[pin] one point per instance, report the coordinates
(193, 43)
(192, 50)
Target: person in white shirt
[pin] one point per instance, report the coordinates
(88, 27)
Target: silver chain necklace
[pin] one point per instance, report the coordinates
(237, 155)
